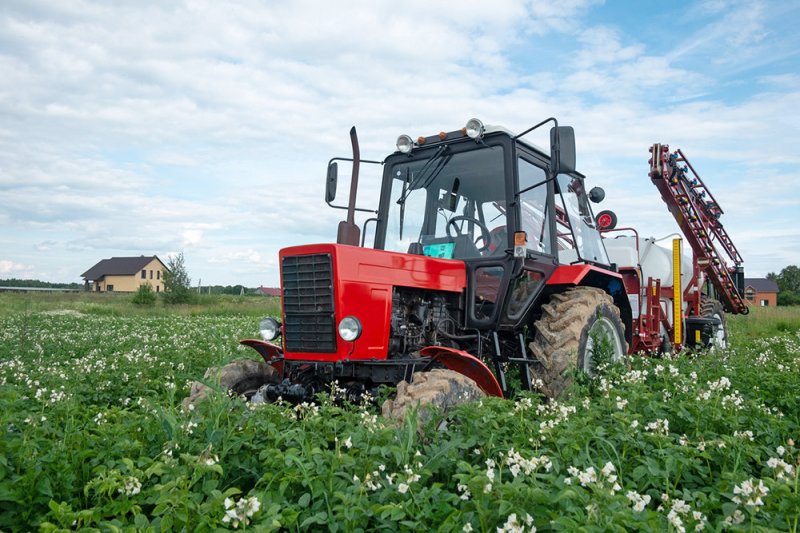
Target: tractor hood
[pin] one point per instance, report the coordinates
(322, 284)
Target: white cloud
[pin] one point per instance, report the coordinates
(10, 268)
(206, 127)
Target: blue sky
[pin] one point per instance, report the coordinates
(205, 127)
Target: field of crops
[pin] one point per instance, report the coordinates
(94, 438)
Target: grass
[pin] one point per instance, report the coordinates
(764, 322)
(119, 304)
(94, 438)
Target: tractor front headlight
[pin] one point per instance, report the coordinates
(349, 328)
(269, 328)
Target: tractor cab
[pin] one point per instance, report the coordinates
(494, 201)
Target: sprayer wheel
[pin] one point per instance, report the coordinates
(711, 308)
(565, 336)
(440, 388)
(242, 377)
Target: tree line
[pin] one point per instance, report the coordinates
(788, 281)
(36, 284)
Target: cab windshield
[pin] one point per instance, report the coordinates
(449, 205)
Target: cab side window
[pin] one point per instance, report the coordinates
(534, 218)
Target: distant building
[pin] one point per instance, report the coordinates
(125, 274)
(761, 292)
(269, 291)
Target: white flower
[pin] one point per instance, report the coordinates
(348, 443)
(783, 469)
(241, 512)
(131, 486)
(659, 427)
(467, 528)
(639, 501)
(402, 488)
(736, 518)
(511, 525)
(781, 450)
(749, 493)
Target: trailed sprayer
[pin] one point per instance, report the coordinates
(486, 261)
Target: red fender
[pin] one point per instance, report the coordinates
(467, 365)
(271, 353)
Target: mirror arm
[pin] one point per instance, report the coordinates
(542, 123)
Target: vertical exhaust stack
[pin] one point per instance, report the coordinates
(348, 232)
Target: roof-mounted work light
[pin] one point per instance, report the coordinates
(474, 129)
(404, 144)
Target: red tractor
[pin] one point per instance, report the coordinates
(487, 262)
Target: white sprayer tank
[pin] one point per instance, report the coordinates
(654, 258)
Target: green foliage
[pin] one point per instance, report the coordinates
(35, 283)
(788, 279)
(788, 298)
(764, 322)
(144, 295)
(95, 439)
(105, 304)
(177, 281)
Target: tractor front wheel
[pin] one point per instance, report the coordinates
(242, 377)
(577, 328)
(440, 388)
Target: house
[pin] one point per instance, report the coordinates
(761, 292)
(125, 274)
(269, 291)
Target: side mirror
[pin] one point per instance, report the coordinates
(597, 194)
(330, 182)
(562, 149)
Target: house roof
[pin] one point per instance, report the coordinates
(270, 291)
(761, 284)
(119, 266)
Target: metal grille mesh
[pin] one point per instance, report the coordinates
(309, 318)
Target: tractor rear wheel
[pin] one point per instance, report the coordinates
(711, 308)
(575, 328)
(441, 388)
(242, 377)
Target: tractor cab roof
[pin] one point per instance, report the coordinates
(405, 143)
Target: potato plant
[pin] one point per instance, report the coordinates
(95, 439)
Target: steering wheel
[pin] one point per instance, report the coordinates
(485, 234)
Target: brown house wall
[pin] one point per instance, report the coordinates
(770, 297)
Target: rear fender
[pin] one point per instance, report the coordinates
(271, 353)
(467, 365)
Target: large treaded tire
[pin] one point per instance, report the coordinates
(439, 388)
(562, 338)
(242, 377)
(711, 308)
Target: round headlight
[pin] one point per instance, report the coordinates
(269, 328)
(404, 144)
(474, 129)
(349, 328)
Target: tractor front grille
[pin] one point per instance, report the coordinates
(309, 319)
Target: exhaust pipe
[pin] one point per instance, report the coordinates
(348, 232)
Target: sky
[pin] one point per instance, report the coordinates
(150, 128)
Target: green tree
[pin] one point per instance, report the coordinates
(788, 279)
(176, 281)
(145, 295)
